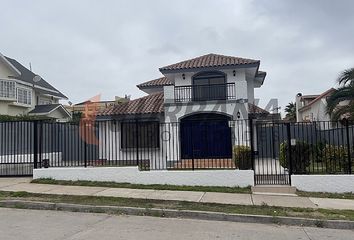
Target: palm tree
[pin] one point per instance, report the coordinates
(345, 95)
(290, 111)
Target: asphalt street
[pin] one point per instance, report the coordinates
(54, 225)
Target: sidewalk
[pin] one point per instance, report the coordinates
(23, 184)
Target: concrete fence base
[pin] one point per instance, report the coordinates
(324, 183)
(227, 178)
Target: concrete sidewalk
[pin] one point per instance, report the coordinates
(23, 184)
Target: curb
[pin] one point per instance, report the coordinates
(171, 213)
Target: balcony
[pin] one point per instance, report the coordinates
(205, 92)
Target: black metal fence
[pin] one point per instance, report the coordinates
(274, 150)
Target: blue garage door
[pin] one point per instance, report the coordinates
(206, 137)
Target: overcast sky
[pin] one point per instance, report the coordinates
(85, 48)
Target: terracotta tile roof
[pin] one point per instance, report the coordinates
(255, 109)
(209, 60)
(152, 103)
(162, 81)
(326, 93)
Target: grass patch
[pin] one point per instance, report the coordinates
(143, 186)
(326, 195)
(320, 214)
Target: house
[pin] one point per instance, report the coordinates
(89, 106)
(311, 108)
(190, 112)
(22, 92)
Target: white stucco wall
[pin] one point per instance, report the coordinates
(228, 178)
(174, 112)
(243, 89)
(316, 112)
(324, 183)
(109, 136)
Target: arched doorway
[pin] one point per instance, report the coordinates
(206, 136)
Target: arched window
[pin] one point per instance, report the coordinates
(209, 86)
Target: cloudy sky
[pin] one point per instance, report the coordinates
(85, 48)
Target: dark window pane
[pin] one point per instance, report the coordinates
(140, 134)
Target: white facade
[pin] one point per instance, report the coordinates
(311, 108)
(324, 183)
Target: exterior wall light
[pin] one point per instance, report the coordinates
(242, 100)
(184, 76)
(234, 72)
(238, 115)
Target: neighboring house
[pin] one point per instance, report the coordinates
(24, 93)
(88, 107)
(194, 103)
(311, 108)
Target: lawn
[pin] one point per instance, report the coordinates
(143, 186)
(321, 214)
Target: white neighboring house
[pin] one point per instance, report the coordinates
(24, 93)
(311, 108)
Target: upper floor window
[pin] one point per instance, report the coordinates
(209, 86)
(24, 96)
(44, 101)
(7, 89)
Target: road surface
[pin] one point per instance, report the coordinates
(54, 225)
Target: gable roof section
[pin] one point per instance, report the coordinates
(159, 82)
(47, 109)
(27, 76)
(149, 104)
(210, 60)
(256, 110)
(325, 94)
(12, 67)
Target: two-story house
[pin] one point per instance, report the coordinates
(311, 108)
(24, 93)
(189, 112)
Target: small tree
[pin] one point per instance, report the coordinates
(290, 111)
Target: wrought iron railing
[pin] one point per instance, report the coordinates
(205, 92)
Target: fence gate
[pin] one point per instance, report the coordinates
(16, 148)
(270, 165)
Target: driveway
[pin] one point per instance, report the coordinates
(42, 225)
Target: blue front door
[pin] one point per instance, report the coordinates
(205, 138)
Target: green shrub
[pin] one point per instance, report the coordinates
(300, 154)
(335, 158)
(242, 157)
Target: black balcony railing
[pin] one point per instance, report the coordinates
(205, 92)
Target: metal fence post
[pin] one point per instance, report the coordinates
(35, 144)
(250, 122)
(348, 147)
(137, 141)
(85, 142)
(290, 159)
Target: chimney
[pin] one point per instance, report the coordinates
(298, 106)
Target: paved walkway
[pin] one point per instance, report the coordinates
(23, 184)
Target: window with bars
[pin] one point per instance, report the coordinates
(7, 89)
(140, 135)
(24, 96)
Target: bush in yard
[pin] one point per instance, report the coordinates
(242, 157)
(300, 154)
(335, 158)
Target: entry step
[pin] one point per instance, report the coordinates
(274, 190)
